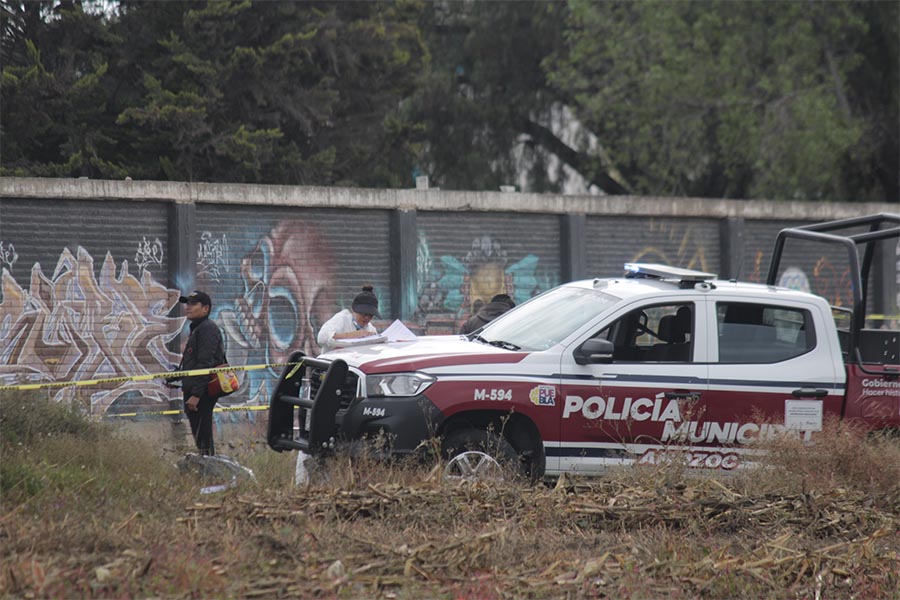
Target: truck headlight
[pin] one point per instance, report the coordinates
(397, 384)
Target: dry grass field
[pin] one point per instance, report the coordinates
(97, 511)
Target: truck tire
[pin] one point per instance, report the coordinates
(461, 441)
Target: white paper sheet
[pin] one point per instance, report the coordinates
(369, 339)
(398, 332)
(395, 332)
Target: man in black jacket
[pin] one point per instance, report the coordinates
(205, 349)
(498, 305)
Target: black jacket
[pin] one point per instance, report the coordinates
(488, 313)
(205, 349)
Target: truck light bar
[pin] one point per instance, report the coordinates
(657, 271)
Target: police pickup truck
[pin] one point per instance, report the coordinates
(656, 363)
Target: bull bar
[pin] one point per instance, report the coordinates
(292, 398)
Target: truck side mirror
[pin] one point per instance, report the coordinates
(595, 350)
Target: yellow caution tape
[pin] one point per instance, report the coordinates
(294, 370)
(236, 408)
(181, 412)
(168, 375)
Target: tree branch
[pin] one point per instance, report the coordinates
(590, 167)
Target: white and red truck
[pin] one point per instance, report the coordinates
(656, 363)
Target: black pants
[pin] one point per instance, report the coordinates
(202, 424)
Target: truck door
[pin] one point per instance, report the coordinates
(629, 409)
(768, 372)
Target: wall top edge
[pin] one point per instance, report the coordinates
(426, 200)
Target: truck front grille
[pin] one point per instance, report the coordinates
(348, 390)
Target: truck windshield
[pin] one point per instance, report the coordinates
(547, 319)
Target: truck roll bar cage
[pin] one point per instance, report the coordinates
(829, 233)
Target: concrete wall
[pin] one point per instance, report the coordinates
(91, 270)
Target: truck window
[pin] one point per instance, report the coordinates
(545, 320)
(760, 333)
(662, 333)
(842, 317)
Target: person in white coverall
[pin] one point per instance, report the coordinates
(353, 322)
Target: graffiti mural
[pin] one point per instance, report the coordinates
(689, 249)
(451, 288)
(278, 310)
(149, 254)
(805, 266)
(756, 274)
(824, 279)
(212, 254)
(837, 280)
(73, 325)
(794, 278)
(8, 255)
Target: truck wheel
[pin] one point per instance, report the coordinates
(477, 454)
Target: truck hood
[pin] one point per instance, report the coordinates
(422, 354)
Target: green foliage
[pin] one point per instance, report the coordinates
(484, 86)
(726, 99)
(55, 94)
(19, 478)
(26, 418)
(29, 420)
(54, 455)
(756, 99)
(259, 92)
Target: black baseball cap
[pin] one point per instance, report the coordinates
(195, 297)
(366, 303)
